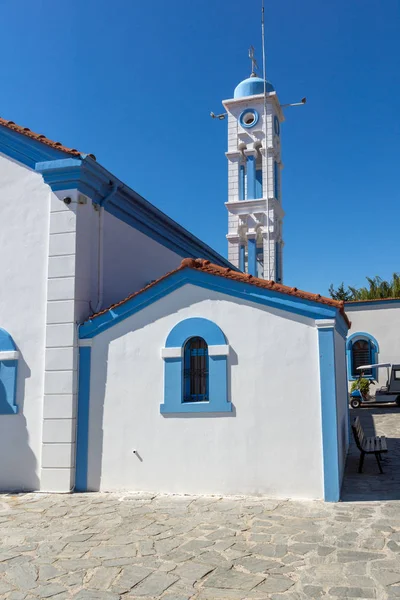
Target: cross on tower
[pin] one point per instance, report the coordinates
(254, 65)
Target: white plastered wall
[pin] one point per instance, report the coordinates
(94, 260)
(24, 239)
(271, 443)
(380, 321)
(131, 260)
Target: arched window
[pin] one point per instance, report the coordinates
(195, 373)
(196, 368)
(362, 349)
(361, 355)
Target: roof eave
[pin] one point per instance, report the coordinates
(238, 288)
(95, 181)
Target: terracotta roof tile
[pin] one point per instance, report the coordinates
(207, 267)
(41, 138)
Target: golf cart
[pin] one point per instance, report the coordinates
(387, 393)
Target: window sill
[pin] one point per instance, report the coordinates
(196, 407)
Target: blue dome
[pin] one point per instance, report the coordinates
(252, 86)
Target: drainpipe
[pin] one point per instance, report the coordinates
(100, 286)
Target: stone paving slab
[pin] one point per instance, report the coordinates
(191, 548)
(376, 420)
(141, 546)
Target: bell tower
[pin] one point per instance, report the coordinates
(255, 214)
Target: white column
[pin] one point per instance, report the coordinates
(233, 175)
(233, 249)
(58, 449)
(269, 255)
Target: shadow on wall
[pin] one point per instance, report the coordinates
(18, 464)
(370, 485)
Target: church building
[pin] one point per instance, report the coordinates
(180, 372)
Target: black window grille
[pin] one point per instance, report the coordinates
(195, 374)
(361, 355)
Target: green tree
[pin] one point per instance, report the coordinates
(340, 293)
(377, 288)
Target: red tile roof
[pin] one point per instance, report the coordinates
(41, 138)
(207, 267)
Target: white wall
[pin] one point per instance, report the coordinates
(89, 260)
(270, 444)
(131, 260)
(381, 321)
(342, 402)
(24, 239)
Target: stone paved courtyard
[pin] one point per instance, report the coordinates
(111, 547)
(383, 420)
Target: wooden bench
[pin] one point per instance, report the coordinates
(368, 445)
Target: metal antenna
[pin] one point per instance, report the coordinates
(265, 134)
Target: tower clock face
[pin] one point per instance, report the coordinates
(248, 118)
(277, 127)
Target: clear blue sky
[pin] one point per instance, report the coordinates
(134, 82)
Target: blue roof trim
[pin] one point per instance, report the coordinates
(363, 304)
(244, 291)
(341, 326)
(61, 172)
(26, 150)
(92, 179)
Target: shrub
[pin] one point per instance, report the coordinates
(362, 385)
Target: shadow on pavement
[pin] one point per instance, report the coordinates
(371, 485)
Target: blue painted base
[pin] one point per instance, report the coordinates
(330, 441)
(82, 436)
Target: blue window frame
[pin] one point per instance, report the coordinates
(195, 373)
(248, 118)
(8, 374)
(242, 181)
(251, 177)
(242, 261)
(361, 354)
(196, 368)
(252, 256)
(259, 190)
(277, 262)
(260, 261)
(361, 349)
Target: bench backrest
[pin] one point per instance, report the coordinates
(358, 432)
